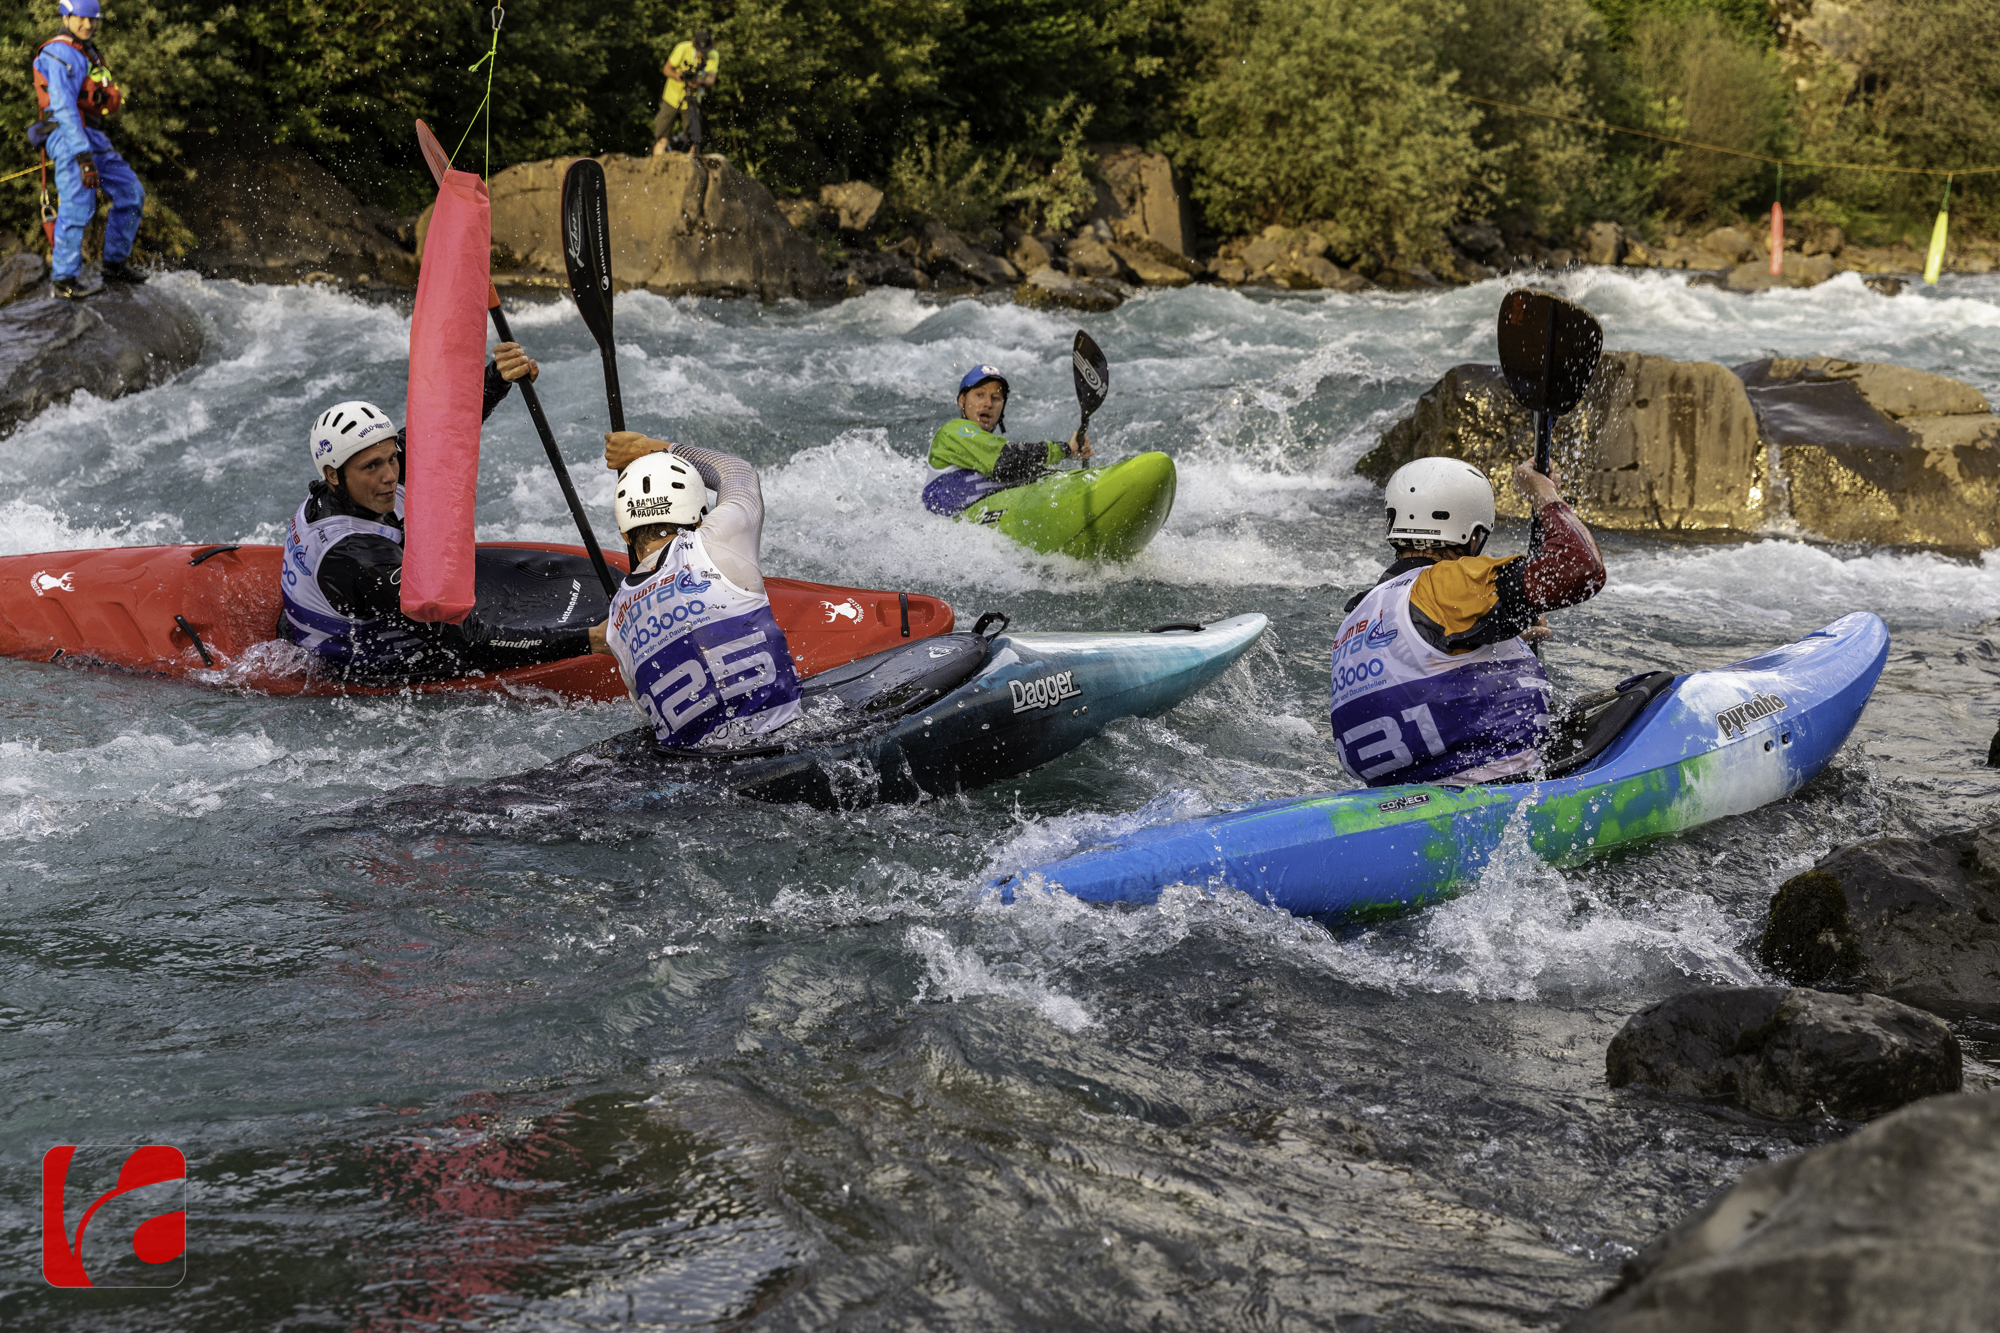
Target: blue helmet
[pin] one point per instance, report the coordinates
(83, 9)
(974, 377)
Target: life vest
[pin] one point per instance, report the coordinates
(1404, 711)
(97, 99)
(703, 659)
(380, 643)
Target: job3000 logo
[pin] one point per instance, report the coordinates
(130, 1204)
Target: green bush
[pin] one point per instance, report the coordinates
(944, 176)
(1705, 82)
(1330, 111)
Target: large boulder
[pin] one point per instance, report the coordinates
(122, 340)
(680, 225)
(1897, 1227)
(1879, 453)
(1785, 1053)
(1850, 451)
(269, 213)
(1141, 197)
(1656, 444)
(1917, 921)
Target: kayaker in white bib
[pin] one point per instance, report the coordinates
(1433, 676)
(343, 569)
(691, 626)
(970, 459)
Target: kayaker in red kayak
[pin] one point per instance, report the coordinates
(691, 625)
(343, 564)
(1433, 676)
(969, 458)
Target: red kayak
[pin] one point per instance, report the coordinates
(210, 613)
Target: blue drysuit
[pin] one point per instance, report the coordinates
(66, 69)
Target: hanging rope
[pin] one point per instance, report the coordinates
(1718, 148)
(492, 62)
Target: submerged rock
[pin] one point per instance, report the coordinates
(1917, 921)
(679, 226)
(1849, 451)
(1052, 289)
(121, 340)
(1897, 1227)
(1788, 1054)
(269, 213)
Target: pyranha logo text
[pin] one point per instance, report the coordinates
(1737, 720)
(158, 1240)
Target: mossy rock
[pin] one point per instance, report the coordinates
(1809, 939)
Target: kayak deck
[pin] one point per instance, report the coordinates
(210, 613)
(1103, 512)
(1719, 742)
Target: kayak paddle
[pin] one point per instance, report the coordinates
(1093, 376)
(439, 164)
(1548, 352)
(586, 223)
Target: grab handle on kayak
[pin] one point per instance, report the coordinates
(1187, 625)
(213, 550)
(979, 625)
(904, 598)
(199, 646)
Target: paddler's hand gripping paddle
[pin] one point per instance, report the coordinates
(439, 164)
(1093, 377)
(1548, 352)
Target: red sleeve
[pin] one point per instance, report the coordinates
(1566, 568)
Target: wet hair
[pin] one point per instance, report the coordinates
(1437, 550)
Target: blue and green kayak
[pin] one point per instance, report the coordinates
(1709, 745)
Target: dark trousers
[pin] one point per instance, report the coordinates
(687, 116)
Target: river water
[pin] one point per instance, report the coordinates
(741, 1066)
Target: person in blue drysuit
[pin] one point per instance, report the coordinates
(76, 95)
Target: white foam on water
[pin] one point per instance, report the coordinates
(27, 527)
(1792, 587)
(956, 972)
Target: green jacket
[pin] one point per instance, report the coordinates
(960, 443)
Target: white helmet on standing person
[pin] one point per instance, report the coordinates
(1439, 501)
(659, 488)
(344, 430)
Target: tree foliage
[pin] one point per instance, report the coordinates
(1351, 115)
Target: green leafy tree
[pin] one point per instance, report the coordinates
(1330, 111)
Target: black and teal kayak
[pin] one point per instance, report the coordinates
(932, 717)
(1695, 748)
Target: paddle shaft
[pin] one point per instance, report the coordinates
(609, 354)
(1545, 420)
(534, 403)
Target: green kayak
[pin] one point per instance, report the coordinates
(1110, 512)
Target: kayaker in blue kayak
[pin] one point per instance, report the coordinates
(970, 459)
(1433, 676)
(691, 626)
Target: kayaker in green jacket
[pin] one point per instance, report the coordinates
(970, 460)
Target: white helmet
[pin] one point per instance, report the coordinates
(659, 488)
(344, 430)
(1441, 500)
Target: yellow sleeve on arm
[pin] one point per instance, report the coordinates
(1457, 593)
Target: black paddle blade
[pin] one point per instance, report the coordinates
(1093, 373)
(586, 223)
(1548, 350)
